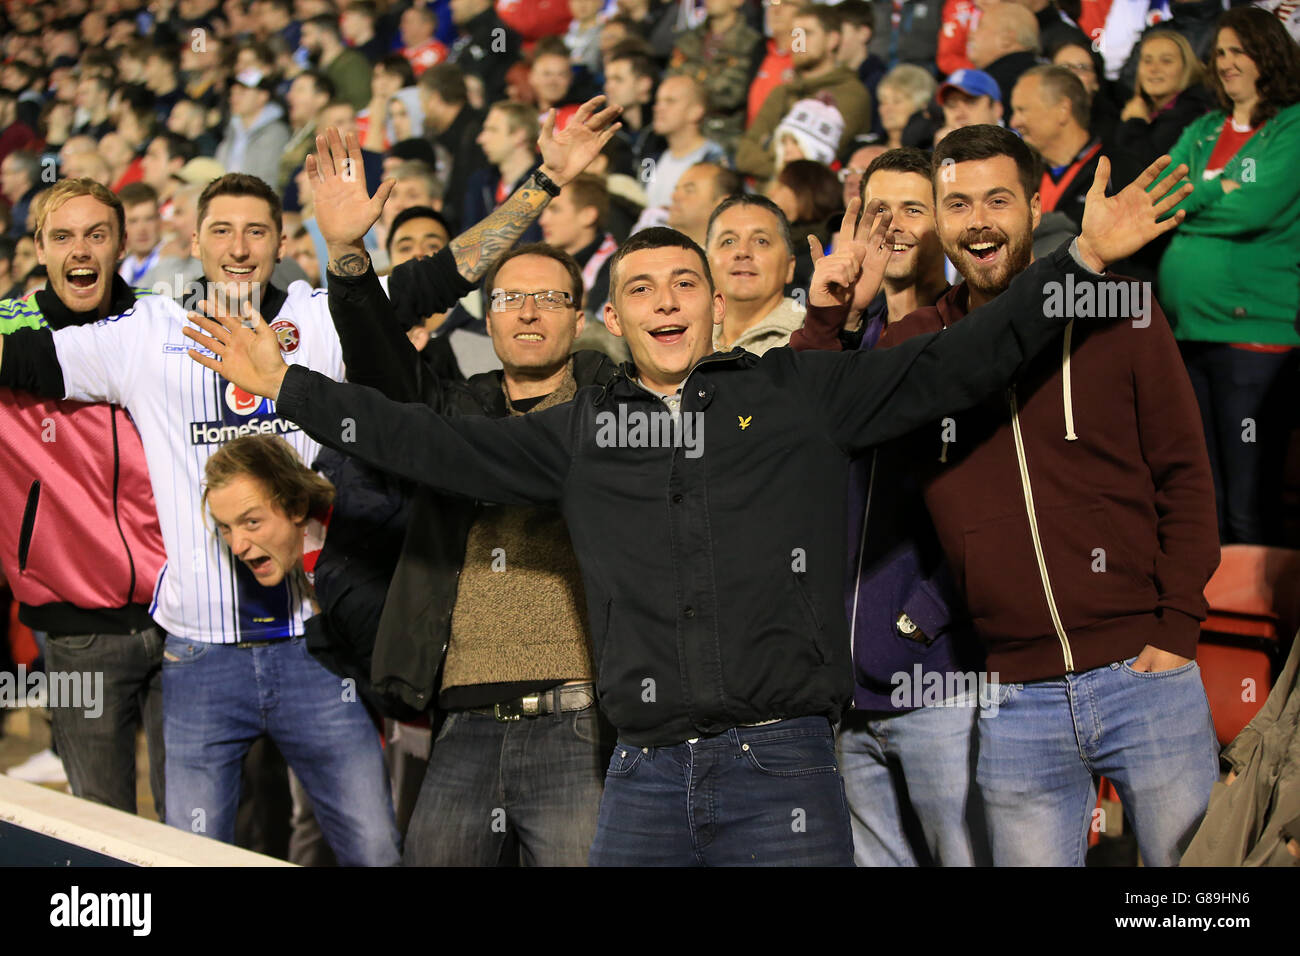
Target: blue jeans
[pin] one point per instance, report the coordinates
(1149, 734)
(910, 781)
(537, 779)
(218, 699)
(765, 796)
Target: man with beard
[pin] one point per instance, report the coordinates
(907, 762)
(347, 69)
(817, 76)
(1077, 513)
(720, 653)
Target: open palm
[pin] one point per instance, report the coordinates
(345, 210)
(567, 153)
(1115, 227)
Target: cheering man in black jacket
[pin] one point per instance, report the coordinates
(713, 572)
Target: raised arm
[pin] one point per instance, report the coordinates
(871, 397)
(517, 460)
(345, 211)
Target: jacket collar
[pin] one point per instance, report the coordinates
(59, 316)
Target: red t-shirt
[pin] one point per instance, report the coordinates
(425, 55)
(1231, 139)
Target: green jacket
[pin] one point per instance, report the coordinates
(1232, 270)
(755, 155)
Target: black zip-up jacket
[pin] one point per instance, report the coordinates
(713, 581)
(404, 648)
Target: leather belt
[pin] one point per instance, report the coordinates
(563, 699)
(248, 644)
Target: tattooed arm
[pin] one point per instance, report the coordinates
(345, 211)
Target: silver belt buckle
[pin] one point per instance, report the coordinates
(531, 704)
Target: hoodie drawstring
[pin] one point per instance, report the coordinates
(1066, 391)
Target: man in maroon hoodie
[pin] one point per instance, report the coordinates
(1077, 513)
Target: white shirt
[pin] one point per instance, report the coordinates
(184, 412)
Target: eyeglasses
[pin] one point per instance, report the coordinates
(850, 172)
(1078, 67)
(550, 300)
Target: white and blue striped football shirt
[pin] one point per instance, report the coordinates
(184, 413)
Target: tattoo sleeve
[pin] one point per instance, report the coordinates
(478, 247)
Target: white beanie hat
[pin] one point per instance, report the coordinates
(816, 126)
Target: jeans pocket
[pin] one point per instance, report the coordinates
(178, 651)
(1126, 666)
(624, 761)
(446, 727)
(796, 756)
(69, 643)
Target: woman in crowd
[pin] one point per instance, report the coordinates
(906, 94)
(1169, 95)
(1228, 279)
(808, 193)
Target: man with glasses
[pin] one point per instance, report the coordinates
(485, 615)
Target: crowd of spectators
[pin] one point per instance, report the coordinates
(748, 127)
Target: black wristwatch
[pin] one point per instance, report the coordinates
(545, 183)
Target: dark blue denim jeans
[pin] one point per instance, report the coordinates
(753, 796)
(219, 698)
(1247, 402)
(98, 746)
(491, 784)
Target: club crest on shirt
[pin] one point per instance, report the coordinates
(287, 333)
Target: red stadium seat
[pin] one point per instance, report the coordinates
(1254, 609)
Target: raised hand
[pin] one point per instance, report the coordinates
(567, 153)
(852, 274)
(247, 350)
(1115, 227)
(345, 210)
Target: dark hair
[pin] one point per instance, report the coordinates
(240, 184)
(446, 80)
(178, 147)
(168, 54)
(1276, 56)
(320, 83)
(536, 249)
(414, 212)
(816, 187)
(638, 61)
(326, 22)
(982, 141)
(825, 15)
(7, 247)
(656, 237)
(399, 65)
(860, 13)
(905, 159)
(761, 202)
(134, 194)
(1059, 83)
(363, 7)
